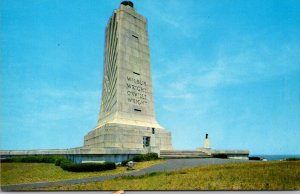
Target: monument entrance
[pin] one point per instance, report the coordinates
(146, 141)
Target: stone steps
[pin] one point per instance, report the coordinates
(183, 154)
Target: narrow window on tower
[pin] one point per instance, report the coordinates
(135, 36)
(153, 130)
(138, 110)
(136, 73)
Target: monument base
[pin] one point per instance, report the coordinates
(112, 136)
(79, 155)
(205, 150)
(117, 155)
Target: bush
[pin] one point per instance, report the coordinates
(124, 163)
(223, 156)
(254, 158)
(109, 165)
(64, 163)
(138, 158)
(151, 156)
(59, 160)
(86, 167)
(145, 157)
(6, 160)
(292, 159)
(32, 159)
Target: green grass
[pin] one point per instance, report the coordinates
(18, 173)
(277, 175)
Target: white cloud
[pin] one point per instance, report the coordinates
(176, 16)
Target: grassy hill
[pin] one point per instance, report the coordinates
(276, 175)
(19, 173)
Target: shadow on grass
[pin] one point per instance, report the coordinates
(130, 177)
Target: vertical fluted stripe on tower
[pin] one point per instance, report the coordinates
(109, 82)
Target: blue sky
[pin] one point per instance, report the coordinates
(227, 68)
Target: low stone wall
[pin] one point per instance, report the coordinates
(78, 155)
(116, 155)
(10, 153)
(116, 158)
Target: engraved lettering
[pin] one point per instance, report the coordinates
(136, 91)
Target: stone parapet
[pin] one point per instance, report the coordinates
(241, 152)
(33, 152)
(75, 151)
(183, 154)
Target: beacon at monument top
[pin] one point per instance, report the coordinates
(127, 3)
(127, 119)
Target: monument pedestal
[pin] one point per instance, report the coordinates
(205, 150)
(122, 136)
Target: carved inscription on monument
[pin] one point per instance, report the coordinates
(136, 91)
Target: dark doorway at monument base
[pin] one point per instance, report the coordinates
(146, 141)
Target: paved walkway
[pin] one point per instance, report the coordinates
(169, 165)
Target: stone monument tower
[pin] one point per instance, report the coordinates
(127, 120)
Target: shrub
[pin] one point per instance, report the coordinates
(151, 156)
(32, 159)
(145, 157)
(59, 160)
(254, 158)
(124, 163)
(6, 160)
(292, 159)
(86, 167)
(220, 156)
(138, 158)
(64, 163)
(109, 166)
